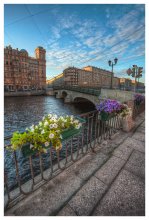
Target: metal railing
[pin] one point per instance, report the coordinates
(91, 91)
(23, 175)
(138, 109)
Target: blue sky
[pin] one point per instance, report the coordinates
(79, 35)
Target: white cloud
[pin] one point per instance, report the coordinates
(91, 42)
(108, 13)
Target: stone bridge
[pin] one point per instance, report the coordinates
(73, 96)
(70, 96)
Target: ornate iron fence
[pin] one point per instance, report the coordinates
(23, 175)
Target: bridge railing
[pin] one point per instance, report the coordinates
(91, 91)
(23, 175)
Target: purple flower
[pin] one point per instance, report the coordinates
(139, 98)
(109, 106)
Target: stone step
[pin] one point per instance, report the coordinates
(84, 201)
(55, 194)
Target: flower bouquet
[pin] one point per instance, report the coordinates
(108, 109)
(50, 131)
(125, 111)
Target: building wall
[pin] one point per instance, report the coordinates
(22, 72)
(71, 76)
(116, 82)
(98, 70)
(89, 77)
(55, 81)
(128, 84)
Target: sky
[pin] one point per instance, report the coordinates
(79, 35)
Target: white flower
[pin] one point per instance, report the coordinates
(42, 132)
(46, 144)
(36, 126)
(63, 125)
(52, 118)
(51, 125)
(31, 146)
(40, 123)
(55, 125)
(71, 117)
(61, 137)
(57, 131)
(32, 129)
(51, 136)
(61, 118)
(76, 121)
(46, 123)
(43, 118)
(49, 115)
(55, 116)
(125, 105)
(78, 126)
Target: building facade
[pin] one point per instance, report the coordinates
(71, 76)
(89, 77)
(140, 87)
(22, 72)
(128, 84)
(125, 84)
(56, 81)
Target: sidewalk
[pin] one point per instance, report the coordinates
(109, 182)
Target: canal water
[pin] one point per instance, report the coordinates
(22, 112)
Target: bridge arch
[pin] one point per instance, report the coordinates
(64, 94)
(78, 99)
(55, 93)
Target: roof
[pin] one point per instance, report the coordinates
(40, 47)
(23, 51)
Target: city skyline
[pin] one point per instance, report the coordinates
(79, 35)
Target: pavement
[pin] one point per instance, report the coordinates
(107, 182)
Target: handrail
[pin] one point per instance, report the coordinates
(21, 175)
(91, 91)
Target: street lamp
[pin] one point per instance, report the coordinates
(112, 64)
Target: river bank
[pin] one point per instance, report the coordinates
(24, 93)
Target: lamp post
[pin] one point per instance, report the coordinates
(112, 64)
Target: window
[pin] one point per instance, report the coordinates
(6, 62)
